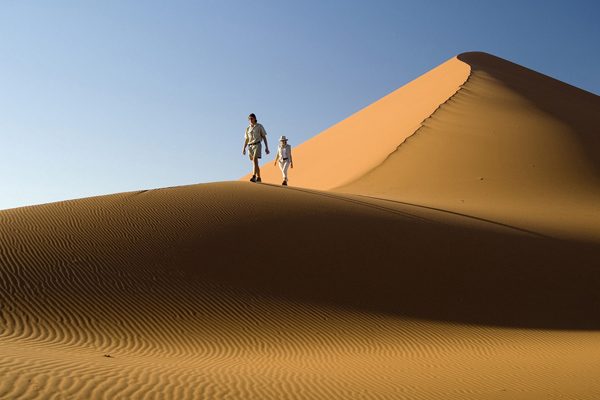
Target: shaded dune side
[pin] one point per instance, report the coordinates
(576, 108)
(152, 263)
(360, 142)
(512, 145)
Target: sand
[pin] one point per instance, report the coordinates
(512, 145)
(349, 149)
(381, 289)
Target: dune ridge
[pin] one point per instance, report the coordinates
(416, 131)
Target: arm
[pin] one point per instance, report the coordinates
(264, 136)
(245, 142)
(290, 156)
(276, 159)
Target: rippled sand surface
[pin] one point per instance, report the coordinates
(460, 260)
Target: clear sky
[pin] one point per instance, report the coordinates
(99, 97)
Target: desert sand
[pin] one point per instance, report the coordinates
(455, 255)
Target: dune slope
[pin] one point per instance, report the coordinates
(168, 294)
(512, 145)
(362, 141)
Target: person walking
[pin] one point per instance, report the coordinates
(284, 157)
(255, 134)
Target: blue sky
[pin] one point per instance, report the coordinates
(99, 97)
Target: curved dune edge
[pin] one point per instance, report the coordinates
(375, 300)
(512, 145)
(362, 141)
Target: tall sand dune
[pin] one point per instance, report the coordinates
(511, 144)
(477, 135)
(354, 146)
(453, 280)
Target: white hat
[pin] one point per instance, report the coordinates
(283, 139)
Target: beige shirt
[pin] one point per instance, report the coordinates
(255, 134)
(284, 152)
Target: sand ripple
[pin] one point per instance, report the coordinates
(160, 294)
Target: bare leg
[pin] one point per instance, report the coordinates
(256, 169)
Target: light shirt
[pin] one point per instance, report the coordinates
(285, 152)
(254, 134)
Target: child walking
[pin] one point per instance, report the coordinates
(284, 158)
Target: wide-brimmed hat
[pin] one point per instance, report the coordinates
(283, 139)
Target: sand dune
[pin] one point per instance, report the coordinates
(512, 145)
(477, 135)
(349, 149)
(386, 289)
(169, 285)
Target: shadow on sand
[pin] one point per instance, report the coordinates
(411, 267)
(576, 108)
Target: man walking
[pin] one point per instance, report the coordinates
(255, 134)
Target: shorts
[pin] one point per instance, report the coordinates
(255, 151)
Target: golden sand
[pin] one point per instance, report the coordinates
(458, 260)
